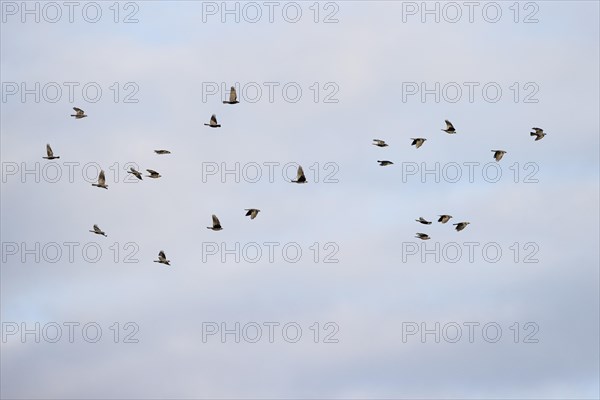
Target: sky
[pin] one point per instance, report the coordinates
(327, 293)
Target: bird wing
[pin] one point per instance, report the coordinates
(101, 177)
(49, 151)
(300, 173)
(449, 125)
(161, 255)
(215, 220)
(96, 228)
(213, 119)
(78, 110)
(538, 130)
(152, 172)
(232, 95)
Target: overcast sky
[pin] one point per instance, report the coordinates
(361, 77)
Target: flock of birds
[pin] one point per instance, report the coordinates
(418, 142)
(300, 177)
(101, 183)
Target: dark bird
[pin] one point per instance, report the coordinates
(418, 142)
(162, 151)
(216, 226)
(252, 212)
(444, 218)
(383, 163)
(423, 221)
(213, 122)
(98, 231)
(380, 143)
(50, 154)
(79, 113)
(423, 236)
(539, 133)
(153, 174)
(300, 178)
(135, 172)
(449, 127)
(162, 258)
(498, 154)
(101, 181)
(461, 225)
(232, 97)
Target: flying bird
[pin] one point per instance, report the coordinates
(252, 212)
(498, 154)
(50, 154)
(380, 143)
(444, 218)
(461, 225)
(232, 97)
(79, 113)
(101, 181)
(423, 221)
(449, 127)
(135, 172)
(153, 174)
(539, 133)
(417, 142)
(422, 236)
(162, 151)
(383, 163)
(162, 258)
(216, 226)
(98, 231)
(213, 122)
(300, 178)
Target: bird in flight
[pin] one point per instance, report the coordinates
(216, 226)
(498, 154)
(300, 178)
(98, 231)
(461, 225)
(232, 97)
(252, 212)
(539, 133)
(101, 181)
(383, 163)
(423, 221)
(213, 122)
(444, 218)
(50, 154)
(162, 151)
(162, 258)
(422, 236)
(449, 127)
(153, 174)
(79, 113)
(417, 142)
(380, 143)
(135, 172)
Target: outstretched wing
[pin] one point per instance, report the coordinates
(49, 151)
(161, 255)
(232, 95)
(96, 228)
(213, 120)
(215, 220)
(538, 130)
(79, 111)
(300, 173)
(101, 178)
(449, 125)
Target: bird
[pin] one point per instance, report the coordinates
(232, 97)
(383, 163)
(50, 154)
(422, 236)
(423, 221)
(417, 142)
(444, 218)
(461, 225)
(252, 212)
(153, 174)
(213, 122)
(300, 178)
(162, 151)
(498, 154)
(135, 172)
(79, 113)
(98, 231)
(380, 143)
(449, 127)
(216, 226)
(162, 258)
(101, 181)
(539, 133)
